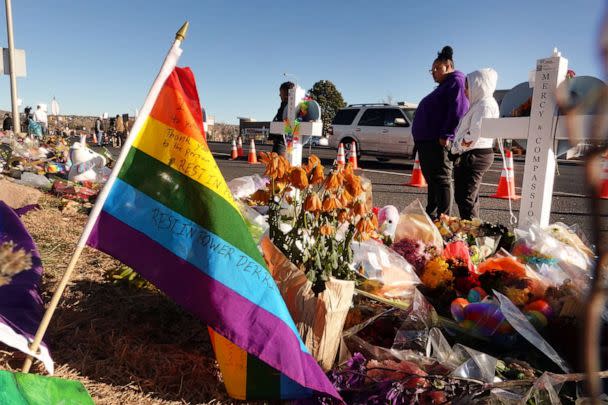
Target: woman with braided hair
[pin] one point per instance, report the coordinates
(435, 123)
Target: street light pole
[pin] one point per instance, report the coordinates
(11, 62)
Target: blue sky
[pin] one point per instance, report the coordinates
(101, 56)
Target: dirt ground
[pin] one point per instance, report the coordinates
(127, 345)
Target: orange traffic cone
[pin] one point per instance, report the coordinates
(604, 188)
(506, 184)
(239, 147)
(352, 156)
(340, 159)
(252, 158)
(234, 154)
(417, 179)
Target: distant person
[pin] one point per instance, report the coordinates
(278, 142)
(436, 119)
(475, 153)
(99, 131)
(27, 112)
(7, 124)
(41, 118)
(120, 131)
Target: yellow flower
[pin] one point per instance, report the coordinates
(313, 203)
(298, 178)
(436, 273)
(519, 297)
(331, 203)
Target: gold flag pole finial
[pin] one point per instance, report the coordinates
(181, 34)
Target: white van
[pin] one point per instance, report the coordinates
(380, 130)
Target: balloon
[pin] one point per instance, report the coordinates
(486, 315)
(457, 308)
(541, 306)
(476, 294)
(537, 319)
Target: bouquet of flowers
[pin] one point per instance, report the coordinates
(314, 218)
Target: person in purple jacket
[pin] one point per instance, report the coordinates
(434, 126)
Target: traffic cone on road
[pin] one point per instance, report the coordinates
(252, 158)
(234, 154)
(239, 147)
(340, 158)
(352, 156)
(417, 179)
(604, 187)
(506, 184)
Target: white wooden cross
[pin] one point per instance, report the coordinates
(313, 128)
(540, 129)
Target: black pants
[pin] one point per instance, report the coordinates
(469, 169)
(437, 170)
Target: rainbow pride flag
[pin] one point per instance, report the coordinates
(167, 212)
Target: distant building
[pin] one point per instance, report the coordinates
(250, 128)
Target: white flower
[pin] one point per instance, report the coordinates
(284, 227)
(299, 245)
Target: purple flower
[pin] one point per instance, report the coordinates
(413, 252)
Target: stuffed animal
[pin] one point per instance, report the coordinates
(87, 165)
(388, 218)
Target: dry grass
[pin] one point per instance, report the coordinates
(126, 345)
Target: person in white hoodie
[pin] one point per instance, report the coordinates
(475, 153)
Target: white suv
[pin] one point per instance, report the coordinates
(380, 130)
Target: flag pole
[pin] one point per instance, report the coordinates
(168, 65)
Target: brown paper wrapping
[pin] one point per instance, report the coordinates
(319, 319)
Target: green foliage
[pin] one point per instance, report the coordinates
(329, 98)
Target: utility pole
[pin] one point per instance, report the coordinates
(11, 62)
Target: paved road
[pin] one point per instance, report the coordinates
(570, 204)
